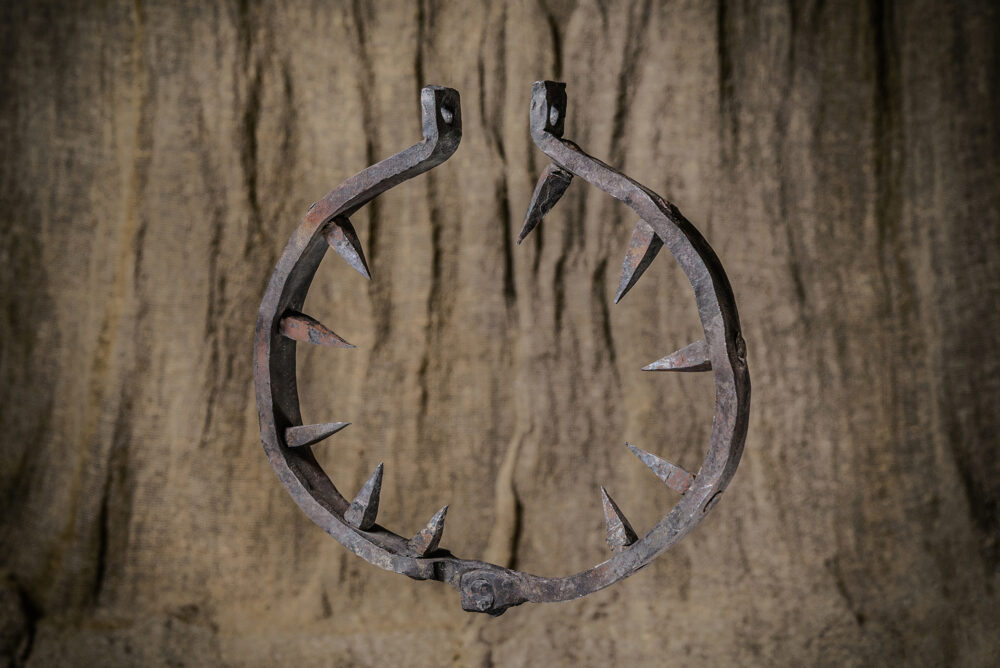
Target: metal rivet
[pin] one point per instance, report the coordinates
(553, 116)
(447, 114)
(482, 594)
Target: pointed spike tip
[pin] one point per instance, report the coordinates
(642, 249)
(620, 533)
(549, 189)
(675, 477)
(342, 237)
(300, 327)
(297, 437)
(428, 538)
(693, 357)
(363, 510)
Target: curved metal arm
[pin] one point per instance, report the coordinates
(713, 293)
(723, 348)
(274, 351)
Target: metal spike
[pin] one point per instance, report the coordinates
(364, 508)
(642, 248)
(300, 327)
(342, 238)
(550, 187)
(427, 539)
(693, 357)
(676, 477)
(620, 532)
(296, 437)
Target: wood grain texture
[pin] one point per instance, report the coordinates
(840, 157)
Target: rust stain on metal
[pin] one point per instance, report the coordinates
(485, 587)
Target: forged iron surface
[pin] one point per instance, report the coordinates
(487, 587)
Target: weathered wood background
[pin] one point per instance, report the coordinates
(840, 156)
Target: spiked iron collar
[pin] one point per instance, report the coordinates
(281, 325)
